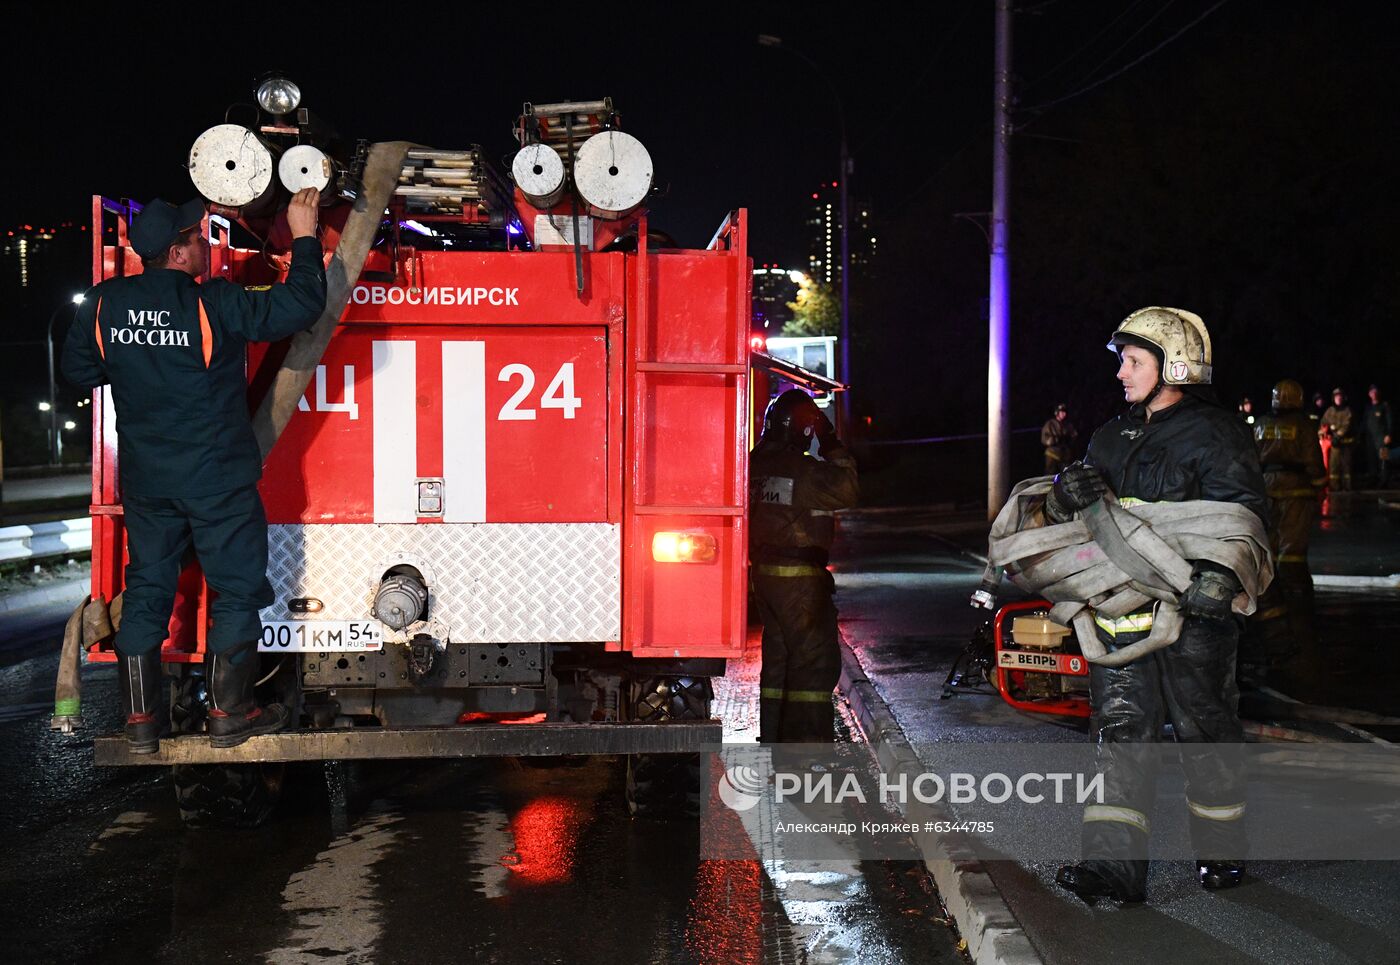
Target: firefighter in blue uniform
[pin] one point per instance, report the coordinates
(172, 350)
(792, 501)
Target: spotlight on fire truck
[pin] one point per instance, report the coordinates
(402, 598)
(277, 95)
(683, 548)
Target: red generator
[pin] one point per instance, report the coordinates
(514, 491)
(1037, 665)
(1031, 662)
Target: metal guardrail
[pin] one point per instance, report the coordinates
(44, 540)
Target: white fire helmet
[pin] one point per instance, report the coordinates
(1179, 337)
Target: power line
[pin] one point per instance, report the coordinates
(1042, 108)
(1093, 40)
(1131, 37)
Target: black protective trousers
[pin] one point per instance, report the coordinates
(801, 653)
(228, 532)
(1190, 685)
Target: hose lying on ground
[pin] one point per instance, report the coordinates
(1113, 561)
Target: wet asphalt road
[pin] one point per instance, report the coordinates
(903, 586)
(477, 861)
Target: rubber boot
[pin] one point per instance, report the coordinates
(1215, 875)
(1089, 885)
(139, 679)
(234, 714)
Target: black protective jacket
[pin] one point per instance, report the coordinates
(1192, 450)
(792, 501)
(175, 354)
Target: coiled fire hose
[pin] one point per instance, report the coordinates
(1113, 561)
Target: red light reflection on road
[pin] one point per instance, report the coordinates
(726, 915)
(546, 833)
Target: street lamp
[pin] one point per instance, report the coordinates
(55, 441)
(767, 40)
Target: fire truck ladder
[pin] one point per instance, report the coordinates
(643, 371)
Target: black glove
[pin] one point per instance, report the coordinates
(1076, 486)
(1210, 593)
(826, 437)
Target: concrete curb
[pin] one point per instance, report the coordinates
(993, 935)
(65, 591)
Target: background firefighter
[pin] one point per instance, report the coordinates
(1173, 444)
(1376, 431)
(174, 351)
(1058, 436)
(1294, 476)
(792, 501)
(1339, 423)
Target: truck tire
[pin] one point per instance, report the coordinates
(226, 795)
(217, 795)
(666, 785)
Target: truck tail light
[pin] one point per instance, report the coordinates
(667, 547)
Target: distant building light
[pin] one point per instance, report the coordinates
(70, 424)
(44, 407)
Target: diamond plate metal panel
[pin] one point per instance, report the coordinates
(488, 582)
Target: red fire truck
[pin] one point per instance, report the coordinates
(507, 515)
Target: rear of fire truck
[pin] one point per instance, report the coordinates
(507, 512)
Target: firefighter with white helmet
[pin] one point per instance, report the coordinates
(1175, 443)
(792, 501)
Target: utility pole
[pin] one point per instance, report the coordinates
(999, 299)
(845, 340)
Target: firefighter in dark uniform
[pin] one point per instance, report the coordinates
(1173, 444)
(1376, 431)
(1338, 422)
(1294, 478)
(792, 501)
(1058, 436)
(172, 351)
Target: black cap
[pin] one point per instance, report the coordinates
(160, 224)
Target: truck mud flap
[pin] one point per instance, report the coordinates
(375, 743)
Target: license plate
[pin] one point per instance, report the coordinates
(294, 636)
(1063, 663)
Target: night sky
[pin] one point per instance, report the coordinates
(1243, 169)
